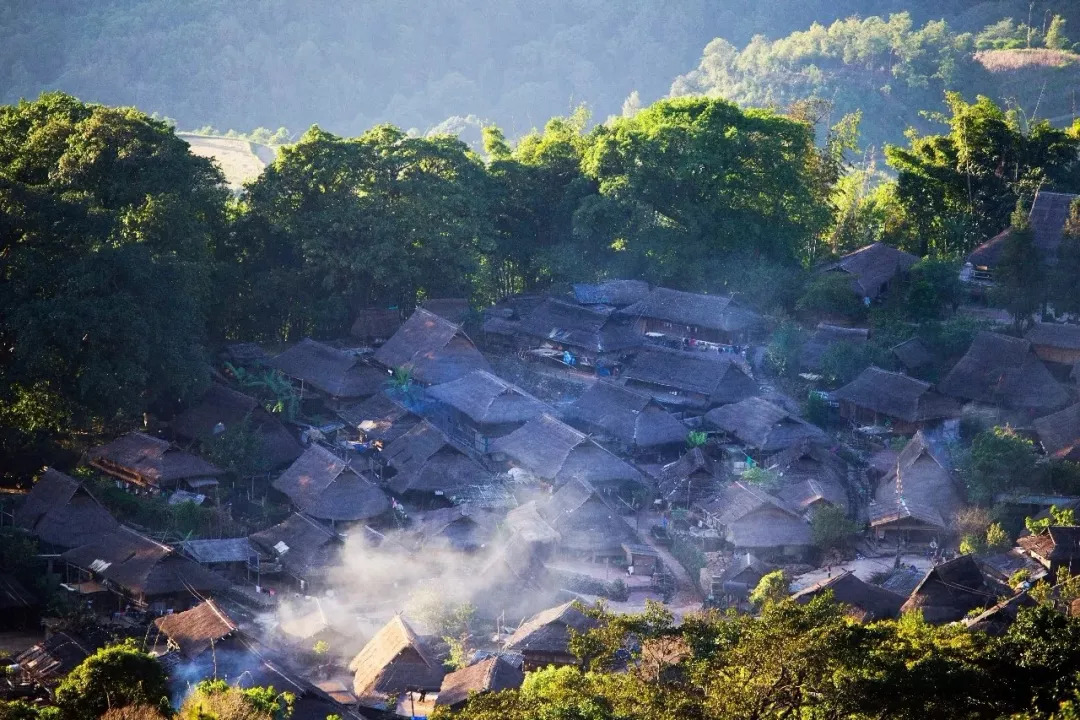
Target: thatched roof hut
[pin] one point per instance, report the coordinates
(394, 661)
(879, 395)
(222, 406)
(60, 511)
(763, 426)
(1058, 546)
(951, 590)
(913, 354)
(334, 372)
(302, 546)
(375, 324)
(487, 400)
(462, 528)
(693, 379)
(555, 452)
(151, 462)
(1048, 213)
(195, 630)
(632, 420)
(710, 312)
(1055, 342)
(380, 418)
(50, 661)
(545, 637)
(489, 675)
(998, 369)
(586, 523)
(434, 349)
(864, 601)
(918, 494)
(576, 326)
(1059, 433)
(425, 461)
(527, 524)
(873, 267)
(824, 337)
(694, 476)
(616, 293)
(811, 474)
(752, 519)
(324, 486)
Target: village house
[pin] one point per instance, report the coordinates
(811, 476)
(221, 408)
(328, 374)
(751, 519)
(762, 427)
(150, 464)
(694, 476)
(826, 336)
(949, 591)
(904, 404)
(394, 663)
(424, 465)
(47, 663)
(376, 324)
(612, 293)
(1047, 217)
(137, 572)
(299, 548)
(1059, 433)
(586, 523)
(544, 639)
(554, 452)
(529, 530)
(61, 513)
(323, 486)
(729, 578)
(380, 419)
(917, 499)
(460, 528)
(1056, 547)
(491, 674)
(1002, 370)
(633, 423)
(689, 380)
(432, 349)
(234, 558)
(691, 317)
(913, 355)
(1057, 343)
(192, 632)
(874, 269)
(478, 407)
(863, 601)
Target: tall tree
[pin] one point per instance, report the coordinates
(1021, 273)
(114, 676)
(1064, 289)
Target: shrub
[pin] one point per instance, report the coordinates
(831, 294)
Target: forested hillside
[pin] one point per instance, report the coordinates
(349, 66)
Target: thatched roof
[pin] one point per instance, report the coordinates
(433, 348)
(1059, 433)
(617, 293)
(460, 527)
(578, 326)
(715, 312)
(60, 511)
(692, 477)
(300, 544)
(426, 461)
(585, 521)
(556, 452)
(142, 566)
(376, 323)
(324, 486)
(487, 399)
(151, 458)
(51, 660)
(873, 266)
(913, 354)
(225, 406)
(456, 310)
(1002, 369)
(548, 632)
(1055, 335)
(865, 602)
(996, 620)
(826, 336)
(380, 417)
(335, 372)
(949, 591)
(1047, 217)
(394, 661)
(195, 630)
(490, 675)
(811, 473)
(919, 487)
(1058, 544)
(219, 550)
(629, 418)
(526, 523)
(989, 253)
(896, 395)
(752, 518)
(763, 426)
(717, 376)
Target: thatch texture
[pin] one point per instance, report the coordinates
(763, 426)
(704, 378)
(918, 489)
(380, 418)
(824, 337)
(302, 546)
(1059, 433)
(59, 511)
(1057, 546)
(490, 675)
(586, 523)
(137, 457)
(714, 312)
(949, 591)
(487, 399)
(527, 524)
(864, 601)
(999, 369)
(224, 406)
(873, 267)
(617, 293)
(324, 486)
(195, 630)
(632, 420)
(913, 354)
(811, 474)
(49, 662)
(425, 461)
(692, 477)
(548, 632)
(335, 372)
(394, 661)
(461, 527)
(896, 395)
(219, 550)
(141, 566)
(1054, 335)
(434, 349)
(753, 519)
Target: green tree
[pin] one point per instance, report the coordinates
(217, 699)
(1055, 516)
(785, 346)
(114, 676)
(999, 460)
(239, 449)
(997, 539)
(831, 527)
(933, 290)
(771, 589)
(831, 294)
(1021, 275)
(1055, 35)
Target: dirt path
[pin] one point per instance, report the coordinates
(687, 592)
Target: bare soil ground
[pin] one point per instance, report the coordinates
(240, 160)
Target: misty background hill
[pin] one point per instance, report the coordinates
(447, 65)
